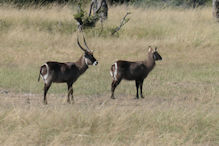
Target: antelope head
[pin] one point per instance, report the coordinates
(88, 54)
(154, 53)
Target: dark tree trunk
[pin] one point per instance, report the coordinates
(194, 4)
(216, 9)
(110, 2)
(99, 8)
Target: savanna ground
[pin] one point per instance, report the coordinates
(181, 93)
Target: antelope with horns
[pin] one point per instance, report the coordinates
(137, 71)
(67, 72)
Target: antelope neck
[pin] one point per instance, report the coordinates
(150, 62)
(82, 64)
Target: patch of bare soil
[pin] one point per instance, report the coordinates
(9, 99)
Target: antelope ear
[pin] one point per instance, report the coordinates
(155, 48)
(150, 49)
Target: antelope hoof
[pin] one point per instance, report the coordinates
(112, 97)
(45, 102)
(137, 97)
(142, 96)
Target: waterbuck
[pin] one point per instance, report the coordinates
(137, 71)
(67, 72)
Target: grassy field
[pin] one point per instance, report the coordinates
(181, 93)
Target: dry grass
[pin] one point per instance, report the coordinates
(181, 94)
(97, 120)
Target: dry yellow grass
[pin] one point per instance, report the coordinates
(181, 93)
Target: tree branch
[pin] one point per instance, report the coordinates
(123, 22)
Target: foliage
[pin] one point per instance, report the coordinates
(84, 20)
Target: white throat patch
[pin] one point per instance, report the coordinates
(86, 60)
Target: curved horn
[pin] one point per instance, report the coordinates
(80, 45)
(85, 43)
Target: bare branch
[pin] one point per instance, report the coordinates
(91, 6)
(123, 22)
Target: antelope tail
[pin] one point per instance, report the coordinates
(39, 74)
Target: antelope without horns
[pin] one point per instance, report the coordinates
(66, 72)
(137, 71)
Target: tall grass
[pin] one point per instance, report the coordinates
(181, 93)
(171, 3)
